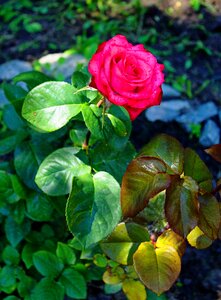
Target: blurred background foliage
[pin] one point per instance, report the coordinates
(181, 34)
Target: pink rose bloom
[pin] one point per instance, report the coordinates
(127, 75)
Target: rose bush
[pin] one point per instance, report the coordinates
(127, 75)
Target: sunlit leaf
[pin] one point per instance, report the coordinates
(196, 168)
(118, 125)
(181, 206)
(168, 149)
(134, 290)
(50, 105)
(145, 177)
(56, 172)
(114, 275)
(198, 239)
(170, 238)
(124, 241)
(93, 208)
(158, 268)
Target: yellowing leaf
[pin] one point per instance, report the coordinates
(134, 290)
(124, 241)
(113, 276)
(158, 268)
(198, 239)
(170, 238)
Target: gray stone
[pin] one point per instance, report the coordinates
(198, 114)
(210, 134)
(12, 68)
(3, 99)
(61, 65)
(169, 92)
(167, 111)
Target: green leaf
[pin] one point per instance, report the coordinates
(79, 79)
(8, 279)
(93, 208)
(196, 168)
(103, 158)
(6, 189)
(78, 134)
(47, 263)
(181, 206)
(10, 256)
(92, 121)
(27, 255)
(145, 177)
(153, 296)
(11, 119)
(74, 284)
(168, 149)
(119, 127)
(48, 289)
(124, 241)
(32, 27)
(15, 233)
(209, 216)
(154, 212)
(39, 207)
(56, 172)
(114, 140)
(32, 78)
(112, 288)
(100, 260)
(198, 239)
(15, 94)
(18, 212)
(25, 285)
(18, 187)
(158, 268)
(9, 142)
(134, 290)
(170, 238)
(51, 105)
(66, 254)
(27, 159)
